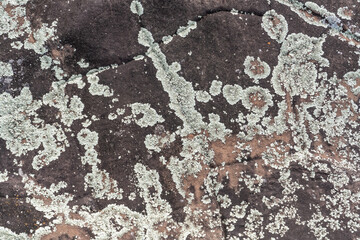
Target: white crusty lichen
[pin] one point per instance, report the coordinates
(45, 62)
(6, 69)
(257, 99)
(183, 31)
(95, 87)
(40, 37)
(149, 115)
(13, 21)
(232, 93)
(136, 7)
(23, 131)
(345, 13)
(275, 25)
(76, 79)
(296, 71)
(181, 92)
(7, 234)
(70, 109)
(48, 200)
(4, 176)
(156, 142)
(83, 64)
(215, 88)
(352, 79)
(102, 185)
(167, 39)
(256, 69)
(202, 96)
(216, 129)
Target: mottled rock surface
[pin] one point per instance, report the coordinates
(182, 119)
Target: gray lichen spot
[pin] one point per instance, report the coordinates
(256, 99)
(22, 134)
(202, 96)
(181, 92)
(17, 45)
(256, 69)
(58, 99)
(149, 115)
(4, 176)
(45, 62)
(275, 25)
(83, 64)
(215, 88)
(95, 87)
(183, 31)
(345, 13)
(232, 93)
(296, 71)
(6, 70)
(136, 8)
(353, 79)
(217, 130)
(167, 39)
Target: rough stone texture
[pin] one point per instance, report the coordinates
(137, 119)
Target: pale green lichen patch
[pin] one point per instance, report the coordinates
(353, 80)
(7, 234)
(275, 25)
(96, 88)
(232, 93)
(167, 39)
(76, 79)
(215, 88)
(181, 92)
(45, 62)
(202, 96)
(22, 134)
(139, 57)
(17, 45)
(4, 176)
(257, 99)
(136, 8)
(10, 14)
(217, 130)
(256, 69)
(183, 31)
(40, 37)
(70, 109)
(149, 115)
(155, 142)
(345, 13)
(102, 185)
(83, 64)
(296, 71)
(6, 70)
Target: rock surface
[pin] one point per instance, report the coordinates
(180, 119)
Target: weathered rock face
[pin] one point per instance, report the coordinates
(179, 119)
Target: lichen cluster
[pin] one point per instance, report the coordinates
(280, 156)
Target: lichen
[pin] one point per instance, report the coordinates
(256, 69)
(275, 25)
(296, 71)
(149, 115)
(136, 8)
(232, 93)
(202, 96)
(215, 88)
(183, 31)
(6, 70)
